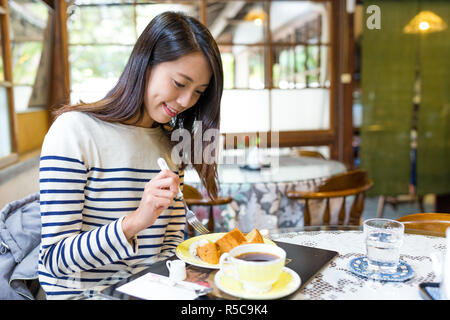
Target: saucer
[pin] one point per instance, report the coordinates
(288, 282)
(359, 266)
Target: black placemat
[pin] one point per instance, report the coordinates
(306, 261)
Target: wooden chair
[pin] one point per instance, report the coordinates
(435, 222)
(310, 153)
(193, 197)
(352, 183)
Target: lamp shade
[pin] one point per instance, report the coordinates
(425, 22)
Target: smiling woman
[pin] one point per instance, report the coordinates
(105, 204)
(174, 86)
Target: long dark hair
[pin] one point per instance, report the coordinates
(169, 36)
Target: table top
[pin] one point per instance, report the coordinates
(335, 281)
(283, 168)
(338, 282)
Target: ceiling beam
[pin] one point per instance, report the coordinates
(229, 12)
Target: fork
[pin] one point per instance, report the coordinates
(190, 215)
(199, 292)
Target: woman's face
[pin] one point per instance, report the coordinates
(175, 86)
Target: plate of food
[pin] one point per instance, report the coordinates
(205, 250)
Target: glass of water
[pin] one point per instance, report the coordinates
(383, 238)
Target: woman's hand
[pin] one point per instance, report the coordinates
(158, 195)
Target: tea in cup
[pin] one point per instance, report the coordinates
(256, 266)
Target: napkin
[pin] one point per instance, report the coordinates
(153, 286)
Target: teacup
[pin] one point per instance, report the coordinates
(256, 266)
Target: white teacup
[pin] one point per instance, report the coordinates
(256, 266)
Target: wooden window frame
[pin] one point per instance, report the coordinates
(7, 83)
(59, 80)
(340, 133)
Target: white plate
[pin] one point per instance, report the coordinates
(288, 282)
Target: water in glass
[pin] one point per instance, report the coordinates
(383, 237)
(383, 251)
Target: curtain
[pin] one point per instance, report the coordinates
(40, 94)
(433, 150)
(388, 75)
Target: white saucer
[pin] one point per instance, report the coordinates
(288, 282)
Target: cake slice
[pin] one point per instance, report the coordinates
(209, 253)
(254, 237)
(230, 240)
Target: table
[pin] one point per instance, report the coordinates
(259, 197)
(335, 281)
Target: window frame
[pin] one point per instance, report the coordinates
(321, 137)
(8, 83)
(338, 137)
(18, 121)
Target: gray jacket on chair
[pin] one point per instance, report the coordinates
(20, 237)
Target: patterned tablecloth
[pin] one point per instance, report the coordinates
(337, 282)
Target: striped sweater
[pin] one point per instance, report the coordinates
(92, 174)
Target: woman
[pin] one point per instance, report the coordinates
(105, 204)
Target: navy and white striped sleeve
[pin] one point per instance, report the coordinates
(65, 247)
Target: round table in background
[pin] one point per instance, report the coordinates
(260, 195)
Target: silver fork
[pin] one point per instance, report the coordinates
(190, 215)
(199, 292)
(198, 289)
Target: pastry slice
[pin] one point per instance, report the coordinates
(254, 237)
(209, 253)
(230, 240)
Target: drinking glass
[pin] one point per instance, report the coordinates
(383, 238)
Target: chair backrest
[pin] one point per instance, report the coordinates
(310, 153)
(353, 183)
(194, 197)
(190, 192)
(435, 222)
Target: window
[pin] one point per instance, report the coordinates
(29, 24)
(24, 76)
(290, 63)
(276, 56)
(101, 37)
(6, 119)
